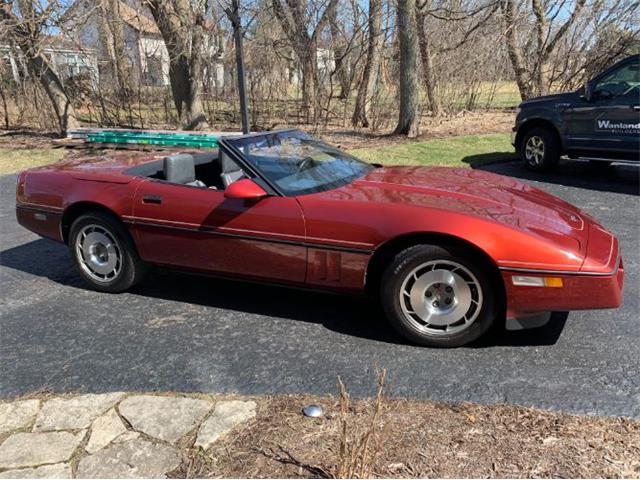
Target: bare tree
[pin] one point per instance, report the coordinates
(339, 52)
(516, 56)
(409, 119)
(111, 30)
(182, 24)
(303, 37)
(427, 63)
(371, 67)
(533, 76)
(24, 28)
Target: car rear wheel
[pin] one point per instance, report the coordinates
(540, 149)
(103, 253)
(437, 296)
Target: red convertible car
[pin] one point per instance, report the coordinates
(448, 252)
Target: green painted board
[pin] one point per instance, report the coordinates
(162, 139)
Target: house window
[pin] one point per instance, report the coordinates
(153, 74)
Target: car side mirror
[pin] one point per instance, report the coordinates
(245, 189)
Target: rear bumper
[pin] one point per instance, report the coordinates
(45, 221)
(579, 291)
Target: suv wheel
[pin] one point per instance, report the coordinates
(540, 149)
(437, 296)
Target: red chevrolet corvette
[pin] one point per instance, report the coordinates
(447, 251)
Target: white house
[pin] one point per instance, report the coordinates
(143, 42)
(66, 59)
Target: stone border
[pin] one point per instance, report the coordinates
(112, 435)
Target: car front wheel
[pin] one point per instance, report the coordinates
(103, 253)
(540, 149)
(438, 296)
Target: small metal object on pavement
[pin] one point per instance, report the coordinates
(313, 411)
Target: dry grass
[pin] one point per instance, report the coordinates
(407, 438)
(13, 160)
(464, 123)
(359, 441)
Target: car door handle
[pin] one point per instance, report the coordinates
(152, 199)
(636, 107)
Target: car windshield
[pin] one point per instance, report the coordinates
(297, 164)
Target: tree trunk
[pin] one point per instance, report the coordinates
(371, 67)
(112, 32)
(540, 70)
(5, 108)
(408, 121)
(182, 32)
(339, 54)
(308, 62)
(515, 53)
(427, 65)
(39, 67)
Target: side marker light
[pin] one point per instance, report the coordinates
(522, 281)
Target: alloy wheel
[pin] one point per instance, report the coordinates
(534, 150)
(98, 253)
(441, 297)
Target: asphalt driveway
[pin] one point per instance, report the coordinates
(177, 332)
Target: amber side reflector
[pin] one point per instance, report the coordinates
(555, 282)
(524, 281)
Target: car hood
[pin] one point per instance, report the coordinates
(480, 194)
(550, 99)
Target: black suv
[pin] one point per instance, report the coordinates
(599, 122)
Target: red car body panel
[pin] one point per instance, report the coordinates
(328, 239)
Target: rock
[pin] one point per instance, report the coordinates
(103, 430)
(225, 417)
(166, 418)
(126, 436)
(74, 413)
(133, 459)
(58, 470)
(16, 415)
(31, 449)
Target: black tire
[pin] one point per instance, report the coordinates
(401, 268)
(129, 268)
(543, 157)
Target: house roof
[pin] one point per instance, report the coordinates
(133, 17)
(136, 19)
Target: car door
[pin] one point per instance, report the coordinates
(198, 228)
(607, 124)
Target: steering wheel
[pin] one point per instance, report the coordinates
(306, 163)
(626, 87)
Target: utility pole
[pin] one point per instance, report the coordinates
(234, 16)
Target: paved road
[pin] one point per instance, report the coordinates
(177, 332)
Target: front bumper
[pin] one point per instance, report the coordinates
(579, 291)
(514, 134)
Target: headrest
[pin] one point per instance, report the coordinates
(227, 164)
(179, 168)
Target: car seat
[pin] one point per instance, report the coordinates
(180, 168)
(231, 172)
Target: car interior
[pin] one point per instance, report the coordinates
(214, 170)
